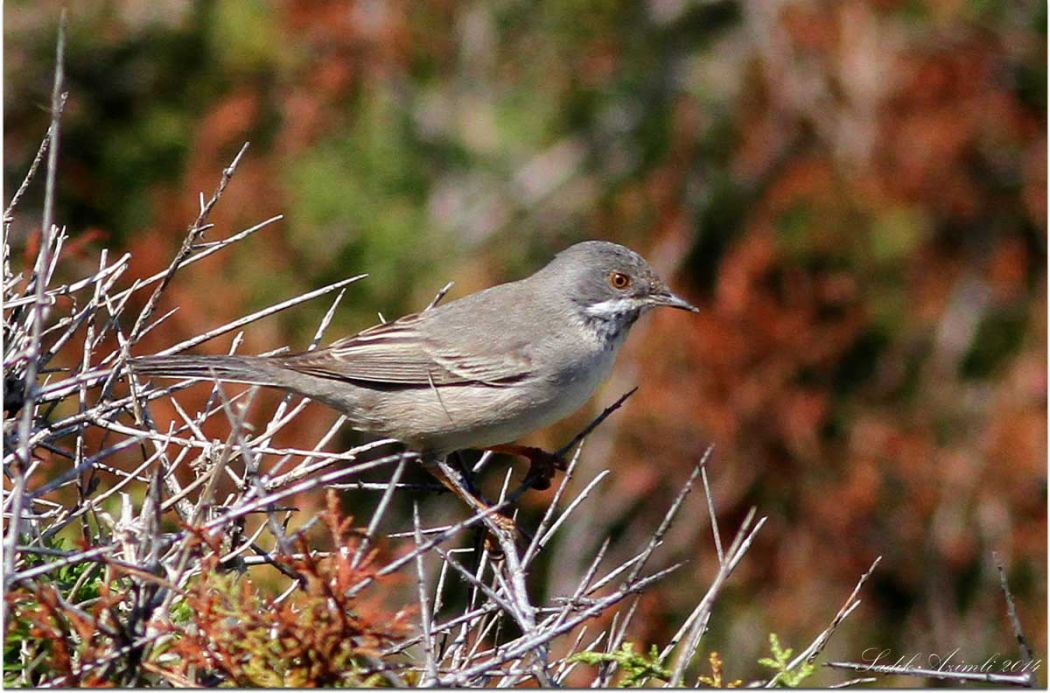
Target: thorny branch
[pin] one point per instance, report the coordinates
(163, 513)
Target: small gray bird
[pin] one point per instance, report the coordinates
(478, 372)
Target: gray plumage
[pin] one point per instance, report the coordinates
(479, 371)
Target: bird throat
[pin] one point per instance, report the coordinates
(611, 320)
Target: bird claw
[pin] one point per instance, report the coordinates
(507, 526)
(542, 464)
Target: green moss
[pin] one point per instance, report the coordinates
(246, 35)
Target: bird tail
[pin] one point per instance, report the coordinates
(252, 370)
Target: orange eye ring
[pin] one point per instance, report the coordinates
(619, 280)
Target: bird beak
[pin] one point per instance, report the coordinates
(666, 298)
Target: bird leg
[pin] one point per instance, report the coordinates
(542, 464)
(456, 482)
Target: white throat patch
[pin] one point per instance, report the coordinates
(615, 306)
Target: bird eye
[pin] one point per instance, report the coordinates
(619, 280)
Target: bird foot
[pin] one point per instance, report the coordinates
(542, 464)
(509, 528)
(505, 524)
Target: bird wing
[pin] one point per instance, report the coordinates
(400, 354)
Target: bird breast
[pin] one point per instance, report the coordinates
(576, 382)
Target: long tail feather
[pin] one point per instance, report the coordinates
(253, 370)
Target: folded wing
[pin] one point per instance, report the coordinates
(399, 354)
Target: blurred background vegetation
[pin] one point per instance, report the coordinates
(853, 191)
